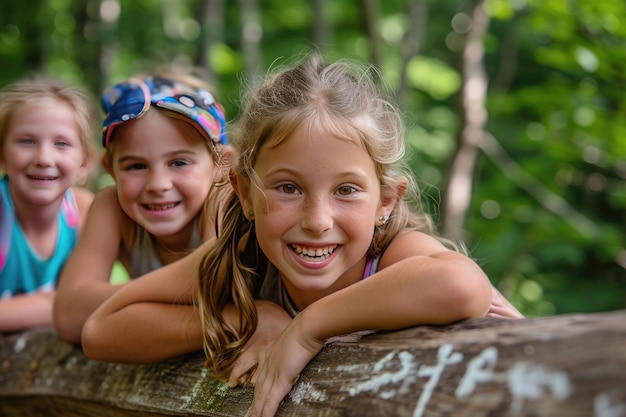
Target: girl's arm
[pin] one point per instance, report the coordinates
(84, 281)
(419, 282)
(26, 310)
(153, 318)
(34, 309)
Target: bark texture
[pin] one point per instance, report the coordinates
(568, 365)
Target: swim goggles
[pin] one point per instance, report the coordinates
(131, 99)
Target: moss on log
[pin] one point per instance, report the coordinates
(567, 365)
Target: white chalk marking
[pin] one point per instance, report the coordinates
(479, 370)
(529, 381)
(306, 391)
(445, 357)
(603, 407)
(404, 375)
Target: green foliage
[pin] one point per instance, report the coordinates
(548, 214)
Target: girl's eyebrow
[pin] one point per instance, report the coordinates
(179, 152)
(348, 174)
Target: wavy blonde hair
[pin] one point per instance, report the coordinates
(346, 98)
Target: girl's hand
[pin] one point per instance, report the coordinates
(501, 307)
(280, 367)
(272, 321)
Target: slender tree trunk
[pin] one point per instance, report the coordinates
(251, 35)
(458, 191)
(110, 11)
(88, 44)
(412, 42)
(321, 24)
(211, 16)
(371, 18)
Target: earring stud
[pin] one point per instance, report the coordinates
(382, 220)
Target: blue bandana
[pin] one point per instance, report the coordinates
(131, 99)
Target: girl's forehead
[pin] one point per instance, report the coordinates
(314, 149)
(44, 103)
(312, 133)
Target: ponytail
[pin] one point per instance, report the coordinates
(228, 274)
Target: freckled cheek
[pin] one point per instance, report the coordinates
(268, 210)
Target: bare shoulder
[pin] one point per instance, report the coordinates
(104, 210)
(411, 243)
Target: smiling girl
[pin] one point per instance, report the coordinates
(319, 226)
(45, 150)
(322, 226)
(166, 149)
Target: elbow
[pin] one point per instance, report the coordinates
(470, 296)
(93, 341)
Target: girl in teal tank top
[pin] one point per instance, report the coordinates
(45, 150)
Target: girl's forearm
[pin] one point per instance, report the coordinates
(74, 305)
(438, 289)
(143, 333)
(26, 310)
(146, 332)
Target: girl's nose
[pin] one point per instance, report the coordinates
(44, 156)
(158, 181)
(317, 216)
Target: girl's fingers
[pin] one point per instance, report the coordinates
(264, 404)
(243, 370)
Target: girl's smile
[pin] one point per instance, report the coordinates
(316, 209)
(43, 153)
(163, 171)
(314, 257)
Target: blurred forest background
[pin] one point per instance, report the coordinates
(515, 109)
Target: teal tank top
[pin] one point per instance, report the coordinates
(21, 269)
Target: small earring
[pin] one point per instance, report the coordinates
(251, 215)
(222, 182)
(382, 220)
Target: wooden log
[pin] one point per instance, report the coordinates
(568, 365)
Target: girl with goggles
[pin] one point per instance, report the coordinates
(166, 148)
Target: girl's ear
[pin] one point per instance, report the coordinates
(107, 165)
(86, 169)
(390, 197)
(241, 185)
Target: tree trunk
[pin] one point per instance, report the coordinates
(251, 34)
(568, 365)
(458, 192)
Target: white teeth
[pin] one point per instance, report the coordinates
(35, 177)
(314, 253)
(162, 207)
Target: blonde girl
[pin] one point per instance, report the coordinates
(166, 148)
(46, 149)
(322, 225)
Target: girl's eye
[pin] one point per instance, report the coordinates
(62, 144)
(288, 188)
(134, 167)
(346, 190)
(26, 141)
(179, 163)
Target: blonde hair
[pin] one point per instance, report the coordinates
(346, 98)
(31, 91)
